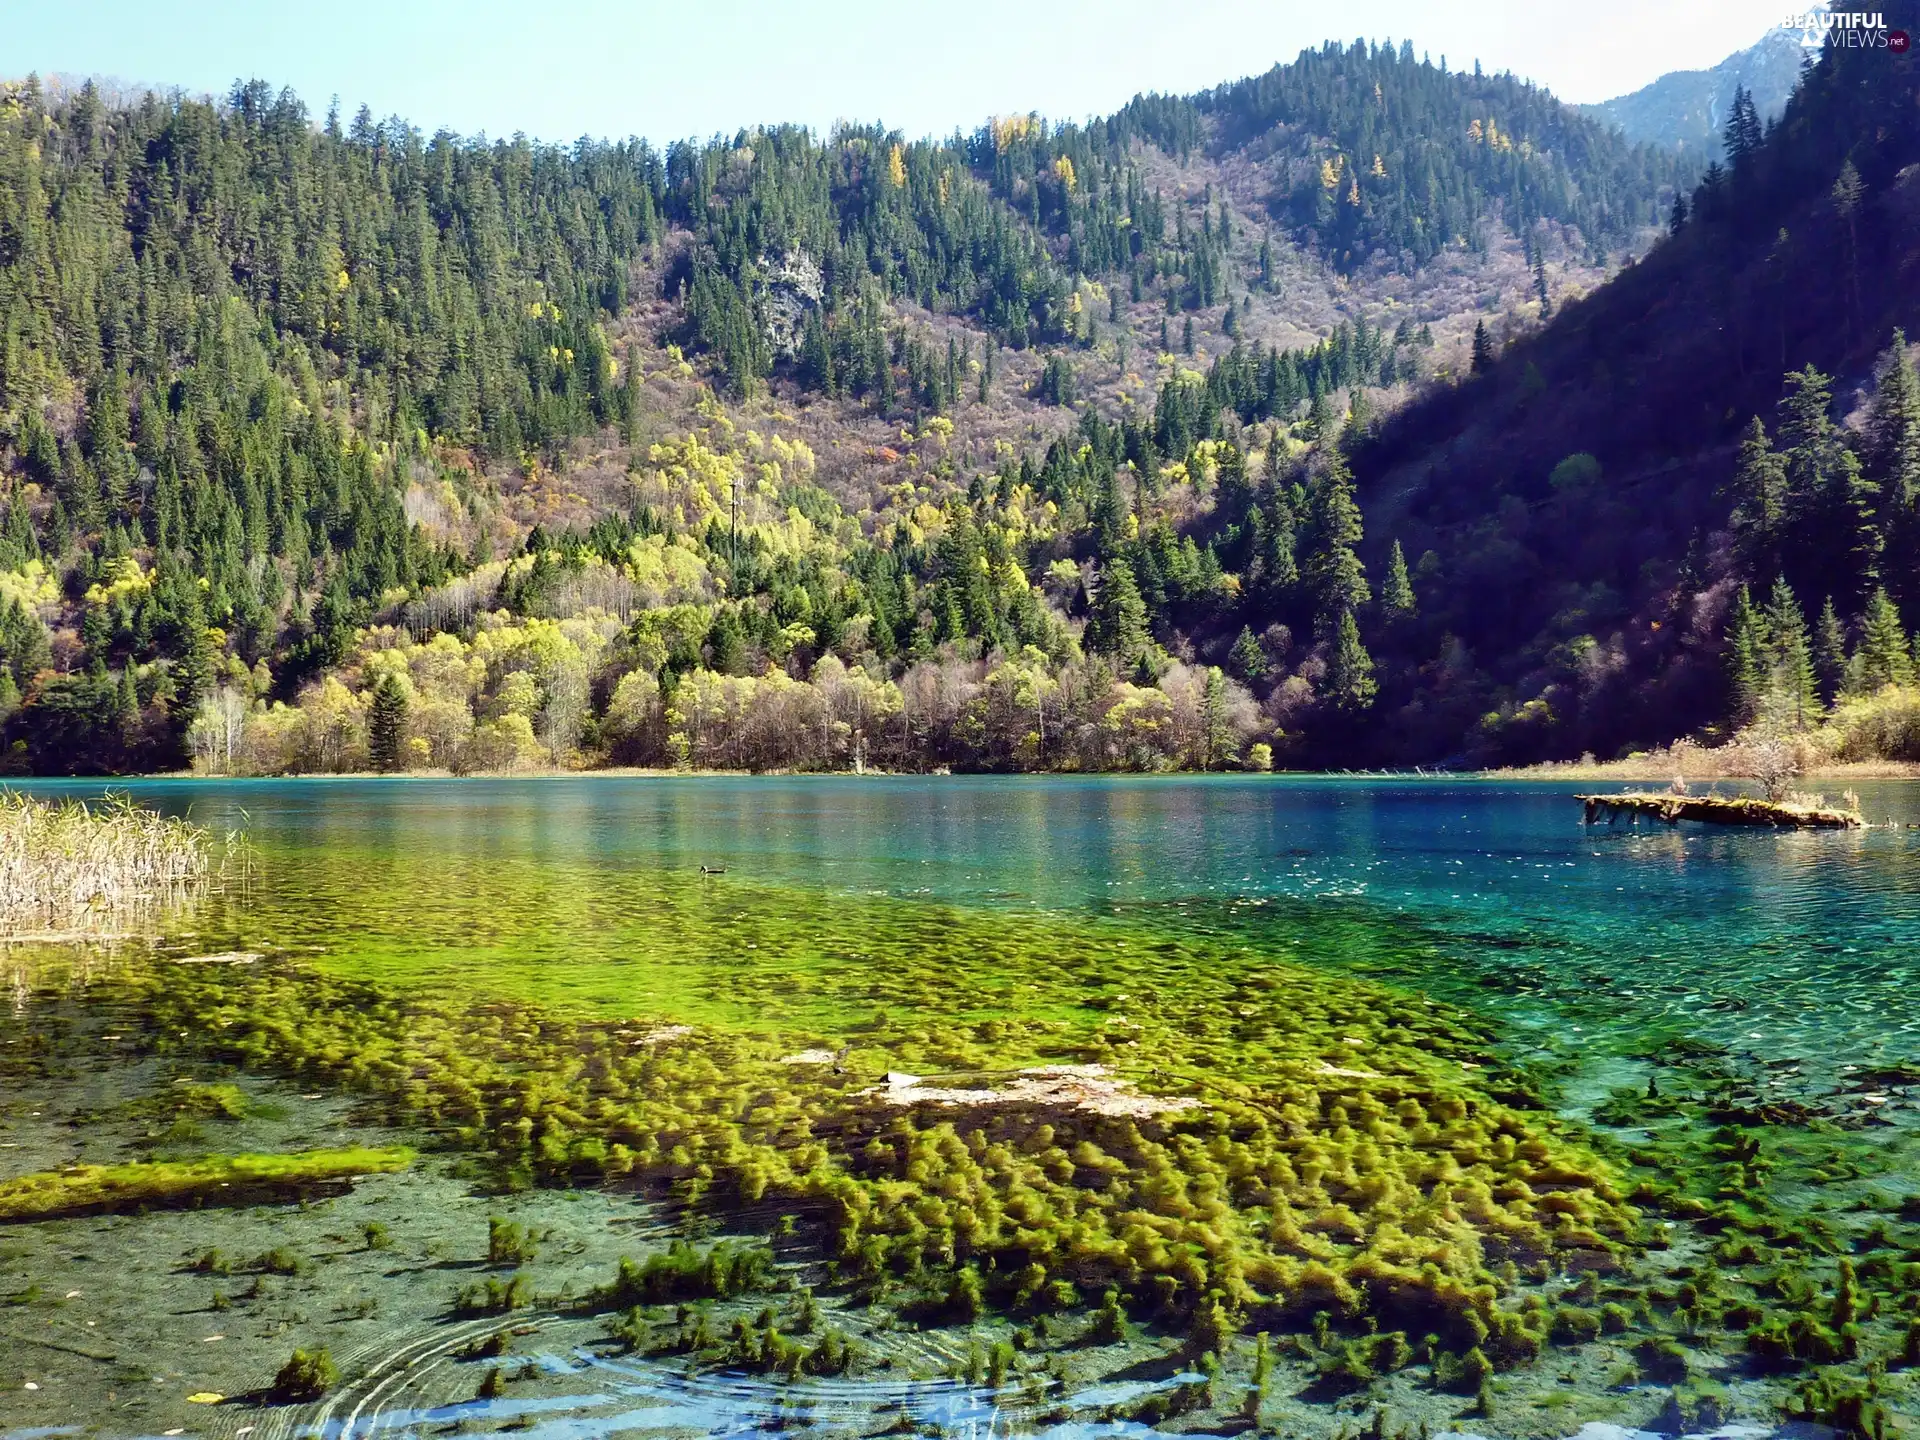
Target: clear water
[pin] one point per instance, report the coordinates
(1802, 946)
(1589, 952)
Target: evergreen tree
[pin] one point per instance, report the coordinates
(1829, 653)
(1742, 135)
(1827, 504)
(386, 724)
(1793, 698)
(632, 406)
(1396, 591)
(1249, 657)
(1759, 490)
(1540, 285)
(1891, 463)
(1746, 658)
(1350, 682)
(1482, 348)
(1884, 657)
(1215, 724)
(1120, 615)
(1334, 573)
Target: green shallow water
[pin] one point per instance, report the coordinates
(1047, 910)
(587, 892)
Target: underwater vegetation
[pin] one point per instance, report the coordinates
(1812, 1275)
(1350, 1155)
(1081, 1134)
(307, 1375)
(217, 1180)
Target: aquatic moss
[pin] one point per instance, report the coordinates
(307, 1375)
(685, 1272)
(1340, 1156)
(218, 1179)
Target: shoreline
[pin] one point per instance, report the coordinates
(1648, 769)
(1635, 770)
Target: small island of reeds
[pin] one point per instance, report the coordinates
(73, 866)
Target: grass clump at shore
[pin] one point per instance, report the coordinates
(220, 1179)
(74, 865)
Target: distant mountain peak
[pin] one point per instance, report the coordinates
(1686, 108)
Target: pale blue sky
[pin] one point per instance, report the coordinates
(559, 70)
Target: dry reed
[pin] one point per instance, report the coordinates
(69, 865)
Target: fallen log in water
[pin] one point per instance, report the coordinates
(1716, 810)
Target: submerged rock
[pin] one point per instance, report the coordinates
(1089, 1088)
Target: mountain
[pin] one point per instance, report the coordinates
(1598, 498)
(1687, 109)
(337, 444)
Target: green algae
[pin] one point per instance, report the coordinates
(1766, 1188)
(218, 1179)
(1347, 1150)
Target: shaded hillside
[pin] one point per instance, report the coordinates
(1584, 601)
(1688, 109)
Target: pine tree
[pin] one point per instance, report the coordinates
(1758, 491)
(632, 405)
(1215, 724)
(1248, 656)
(1186, 337)
(1829, 653)
(1350, 682)
(1892, 468)
(1793, 698)
(386, 723)
(1742, 135)
(1396, 591)
(1884, 657)
(1828, 508)
(1482, 348)
(1319, 424)
(1746, 658)
(1333, 570)
(1540, 284)
(1121, 615)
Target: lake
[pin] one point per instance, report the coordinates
(1636, 990)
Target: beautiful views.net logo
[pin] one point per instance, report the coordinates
(1852, 29)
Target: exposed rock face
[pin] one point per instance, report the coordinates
(793, 290)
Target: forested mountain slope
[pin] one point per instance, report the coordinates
(1588, 496)
(338, 444)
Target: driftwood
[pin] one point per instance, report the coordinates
(1715, 810)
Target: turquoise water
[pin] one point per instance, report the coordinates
(1801, 946)
(1780, 965)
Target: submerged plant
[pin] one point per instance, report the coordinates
(219, 1179)
(307, 1375)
